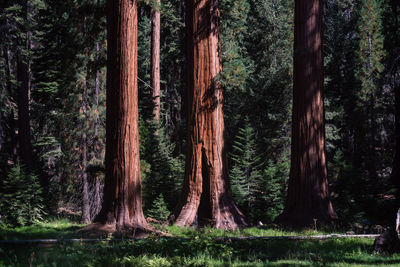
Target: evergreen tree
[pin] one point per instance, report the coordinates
(273, 189)
(369, 62)
(165, 173)
(159, 210)
(21, 201)
(245, 171)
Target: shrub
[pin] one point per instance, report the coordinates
(20, 198)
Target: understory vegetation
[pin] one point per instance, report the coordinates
(187, 247)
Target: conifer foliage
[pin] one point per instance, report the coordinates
(21, 200)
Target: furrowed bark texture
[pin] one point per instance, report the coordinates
(206, 190)
(122, 203)
(155, 60)
(308, 194)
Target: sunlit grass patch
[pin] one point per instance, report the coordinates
(189, 247)
(57, 229)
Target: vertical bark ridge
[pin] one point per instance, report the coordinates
(308, 195)
(122, 206)
(206, 167)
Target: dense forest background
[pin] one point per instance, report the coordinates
(52, 95)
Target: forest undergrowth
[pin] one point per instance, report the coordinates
(188, 247)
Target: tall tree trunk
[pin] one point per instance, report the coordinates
(96, 206)
(308, 195)
(122, 201)
(84, 176)
(24, 131)
(396, 160)
(12, 137)
(155, 59)
(206, 190)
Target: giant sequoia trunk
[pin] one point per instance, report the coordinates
(155, 60)
(122, 201)
(308, 195)
(206, 190)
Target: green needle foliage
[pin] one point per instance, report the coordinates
(165, 173)
(159, 210)
(245, 170)
(20, 198)
(370, 51)
(259, 188)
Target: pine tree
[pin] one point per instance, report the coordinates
(273, 189)
(21, 200)
(245, 171)
(165, 173)
(159, 210)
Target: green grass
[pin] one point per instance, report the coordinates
(57, 229)
(63, 229)
(253, 231)
(197, 248)
(201, 251)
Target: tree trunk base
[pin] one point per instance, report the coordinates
(228, 217)
(98, 230)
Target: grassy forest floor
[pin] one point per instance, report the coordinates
(193, 248)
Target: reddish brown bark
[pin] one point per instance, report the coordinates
(308, 194)
(206, 190)
(155, 59)
(122, 201)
